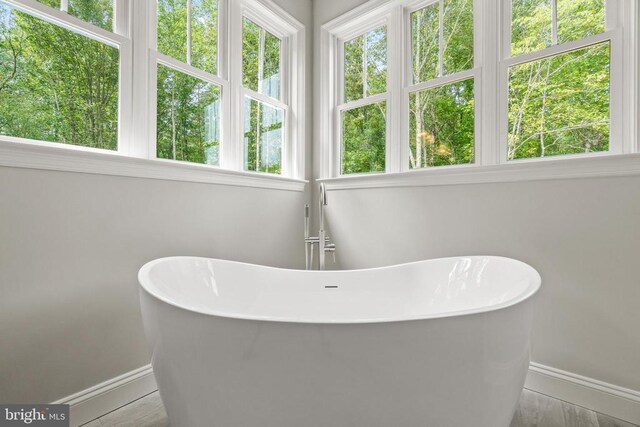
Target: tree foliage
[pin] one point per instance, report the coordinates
(558, 105)
(263, 123)
(188, 108)
(56, 85)
(60, 86)
(364, 128)
(187, 117)
(441, 119)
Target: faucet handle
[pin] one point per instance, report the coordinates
(331, 247)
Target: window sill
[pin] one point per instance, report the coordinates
(72, 159)
(609, 165)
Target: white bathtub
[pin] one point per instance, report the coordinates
(434, 343)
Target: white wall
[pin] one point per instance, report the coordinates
(581, 235)
(71, 245)
(70, 248)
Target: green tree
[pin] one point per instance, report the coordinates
(558, 105)
(57, 85)
(263, 127)
(441, 121)
(364, 128)
(188, 108)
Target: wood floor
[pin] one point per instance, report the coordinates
(535, 410)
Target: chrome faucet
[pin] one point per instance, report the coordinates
(323, 241)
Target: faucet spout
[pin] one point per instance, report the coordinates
(323, 195)
(324, 245)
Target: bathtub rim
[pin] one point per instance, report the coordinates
(145, 283)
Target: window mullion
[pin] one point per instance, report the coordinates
(227, 133)
(373, 99)
(142, 141)
(188, 32)
(122, 17)
(233, 148)
(503, 26)
(365, 66)
(395, 99)
(554, 22)
(441, 38)
(490, 34)
(265, 99)
(126, 95)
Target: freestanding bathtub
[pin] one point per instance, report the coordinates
(437, 343)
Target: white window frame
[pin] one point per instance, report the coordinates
(474, 72)
(221, 80)
(118, 38)
(492, 30)
(350, 33)
(135, 36)
(613, 34)
(292, 50)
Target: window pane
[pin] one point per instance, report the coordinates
(260, 60)
(560, 105)
(531, 25)
(579, 18)
(56, 85)
(367, 52)
(204, 35)
(441, 125)
(263, 126)
(353, 69)
(425, 33)
(188, 119)
(96, 12)
(457, 24)
(363, 139)
(376, 61)
(172, 28)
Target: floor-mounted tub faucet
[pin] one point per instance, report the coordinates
(323, 241)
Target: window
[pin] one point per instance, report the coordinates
(559, 101)
(188, 111)
(441, 99)
(208, 82)
(466, 83)
(58, 83)
(234, 110)
(364, 109)
(263, 115)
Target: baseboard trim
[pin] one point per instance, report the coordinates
(609, 399)
(618, 402)
(89, 404)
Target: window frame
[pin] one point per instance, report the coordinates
(612, 34)
(278, 30)
(292, 88)
(220, 79)
(135, 36)
(343, 106)
(118, 38)
(491, 41)
(410, 87)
